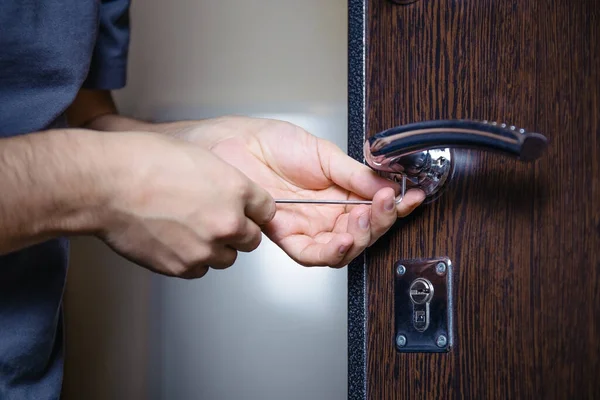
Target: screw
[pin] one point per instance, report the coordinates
(401, 270)
(442, 341)
(401, 340)
(440, 269)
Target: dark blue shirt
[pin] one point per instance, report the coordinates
(49, 49)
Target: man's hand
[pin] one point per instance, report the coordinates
(179, 209)
(163, 203)
(291, 163)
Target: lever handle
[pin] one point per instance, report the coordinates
(423, 151)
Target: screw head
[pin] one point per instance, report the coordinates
(442, 341)
(401, 340)
(401, 270)
(440, 269)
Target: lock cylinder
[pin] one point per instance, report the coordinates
(421, 293)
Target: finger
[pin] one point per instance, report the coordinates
(383, 213)
(348, 173)
(222, 257)
(260, 205)
(310, 253)
(359, 226)
(248, 239)
(196, 272)
(412, 199)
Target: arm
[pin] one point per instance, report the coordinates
(96, 109)
(167, 205)
(160, 202)
(51, 185)
(56, 182)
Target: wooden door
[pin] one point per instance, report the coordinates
(524, 239)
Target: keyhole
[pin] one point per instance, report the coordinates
(421, 291)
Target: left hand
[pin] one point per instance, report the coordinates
(290, 163)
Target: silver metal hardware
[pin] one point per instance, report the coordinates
(421, 291)
(441, 341)
(423, 305)
(398, 200)
(427, 170)
(310, 201)
(424, 151)
(440, 268)
(401, 340)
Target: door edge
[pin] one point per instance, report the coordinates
(357, 300)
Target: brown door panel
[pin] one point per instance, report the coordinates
(524, 238)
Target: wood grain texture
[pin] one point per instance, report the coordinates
(524, 238)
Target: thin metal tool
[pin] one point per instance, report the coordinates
(347, 202)
(307, 201)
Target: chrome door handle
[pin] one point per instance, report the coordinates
(423, 151)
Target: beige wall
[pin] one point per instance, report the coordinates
(265, 328)
(237, 54)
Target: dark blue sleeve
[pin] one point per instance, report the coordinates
(108, 68)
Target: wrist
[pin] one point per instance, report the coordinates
(86, 182)
(82, 183)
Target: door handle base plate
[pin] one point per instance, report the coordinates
(423, 305)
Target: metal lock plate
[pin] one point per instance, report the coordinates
(423, 305)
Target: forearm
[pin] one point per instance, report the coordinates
(96, 110)
(52, 184)
(119, 123)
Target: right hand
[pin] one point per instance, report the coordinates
(177, 209)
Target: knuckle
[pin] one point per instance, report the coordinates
(195, 273)
(231, 226)
(338, 265)
(224, 258)
(362, 241)
(232, 258)
(240, 186)
(404, 212)
(254, 239)
(265, 210)
(269, 210)
(197, 258)
(188, 275)
(179, 269)
(190, 261)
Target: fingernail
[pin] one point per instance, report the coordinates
(389, 204)
(343, 248)
(363, 221)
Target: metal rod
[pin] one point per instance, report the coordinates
(323, 201)
(308, 201)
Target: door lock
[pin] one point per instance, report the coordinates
(421, 293)
(423, 305)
